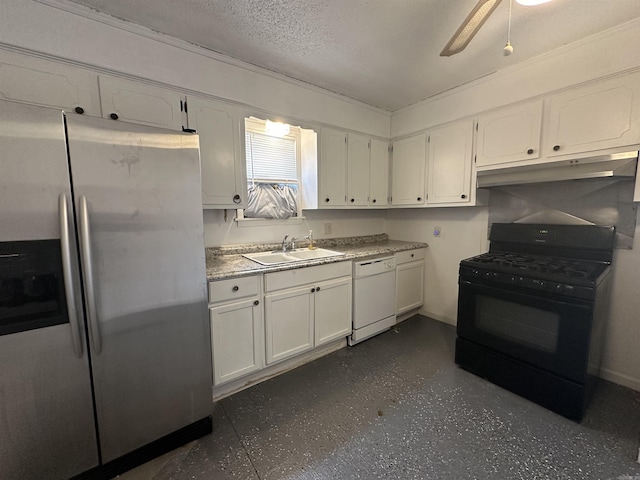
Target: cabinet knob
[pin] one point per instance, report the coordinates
(317, 289)
(114, 116)
(419, 199)
(463, 196)
(257, 302)
(235, 288)
(79, 110)
(530, 151)
(313, 290)
(326, 199)
(374, 200)
(412, 255)
(353, 200)
(236, 199)
(556, 148)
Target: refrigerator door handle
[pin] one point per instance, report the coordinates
(66, 273)
(87, 274)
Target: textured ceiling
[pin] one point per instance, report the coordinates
(382, 52)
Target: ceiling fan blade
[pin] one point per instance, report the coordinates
(469, 27)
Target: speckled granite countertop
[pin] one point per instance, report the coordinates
(228, 262)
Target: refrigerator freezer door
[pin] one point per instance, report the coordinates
(137, 194)
(46, 412)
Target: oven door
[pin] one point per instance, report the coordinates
(543, 330)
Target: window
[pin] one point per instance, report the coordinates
(273, 171)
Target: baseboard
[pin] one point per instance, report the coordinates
(620, 379)
(437, 316)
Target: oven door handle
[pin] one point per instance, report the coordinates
(87, 270)
(69, 291)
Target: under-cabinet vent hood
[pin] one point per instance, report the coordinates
(613, 165)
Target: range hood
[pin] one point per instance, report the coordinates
(614, 165)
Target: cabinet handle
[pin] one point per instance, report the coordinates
(326, 199)
(556, 148)
(353, 200)
(419, 199)
(114, 116)
(235, 288)
(463, 196)
(79, 110)
(236, 198)
(374, 200)
(317, 289)
(530, 151)
(412, 255)
(257, 302)
(313, 290)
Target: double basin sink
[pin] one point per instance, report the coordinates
(297, 255)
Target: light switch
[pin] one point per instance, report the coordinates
(437, 231)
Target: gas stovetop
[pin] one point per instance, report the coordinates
(553, 268)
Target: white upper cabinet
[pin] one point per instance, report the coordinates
(379, 174)
(333, 168)
(450, 161)
(40, 82)
(221, 131)
(409, 171)
(136, 102)
(358, 166)
(596, 117)
(509, 134)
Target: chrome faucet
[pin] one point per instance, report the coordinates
(284, 243)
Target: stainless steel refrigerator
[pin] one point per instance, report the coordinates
(105, 355)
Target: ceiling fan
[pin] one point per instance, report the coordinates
(470, 26)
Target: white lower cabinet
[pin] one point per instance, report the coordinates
(237, 328)
(305, 308)
(409, 280)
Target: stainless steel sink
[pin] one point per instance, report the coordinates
(298, 255)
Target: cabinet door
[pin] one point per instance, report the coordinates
(408, 171)
(358, 170)
(450, 157)
(221, 131)
(509, 134)
(333, 168)
(332, 310)
(140, 103)
(237, 339)
(288, 323)
(379, 174)
(39, 82)
(596, 117)
(409, 286)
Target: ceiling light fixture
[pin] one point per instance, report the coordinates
(469, 27)
(530, 3)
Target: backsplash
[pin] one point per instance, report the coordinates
(589, 202)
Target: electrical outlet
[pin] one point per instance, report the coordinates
(437, 231)
(327, 229)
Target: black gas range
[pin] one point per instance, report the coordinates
(531, 311)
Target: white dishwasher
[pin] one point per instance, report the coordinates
(374, 297)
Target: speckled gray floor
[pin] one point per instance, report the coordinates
(397, 407)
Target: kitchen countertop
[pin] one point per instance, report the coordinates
(228, 262)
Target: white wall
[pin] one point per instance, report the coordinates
(463, 235)
(62, 29)
(344, 223)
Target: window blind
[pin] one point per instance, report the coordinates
(270, 159)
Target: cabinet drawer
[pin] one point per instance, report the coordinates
(410, 255)
(234, 288)
(305, 276)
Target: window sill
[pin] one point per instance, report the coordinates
(268, 222)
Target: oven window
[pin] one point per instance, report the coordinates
(31, 286)
(517, 323)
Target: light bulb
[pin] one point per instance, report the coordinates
(507, 50)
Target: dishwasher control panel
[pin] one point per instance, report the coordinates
(374, 266)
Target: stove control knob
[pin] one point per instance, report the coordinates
(476, 272)
(513, 279)
(541, 284)
(559, 287)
